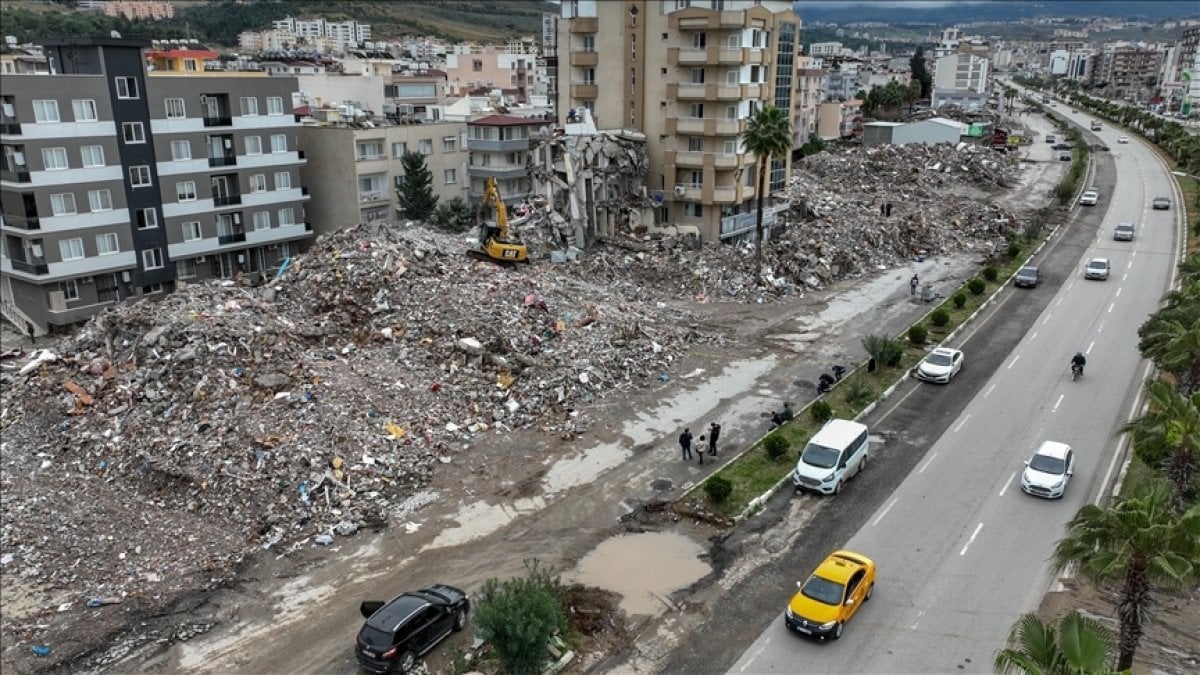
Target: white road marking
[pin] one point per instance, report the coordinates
(1129, 264)
(1118, 292)
(1110, 307)
(1112, 465)
(1046, 320)
(1057, 403)
(1014, 362)
(989, 390)
(756, 655)
(1007, 483)
(1031, 337)
(885, 510)
(1089, 349)
(1124, 276)
(972, 539)
(960, 424)
(1070, 284)
(928, 462)
(1100, 328)
(1058, 303)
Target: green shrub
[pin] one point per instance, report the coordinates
(976, 286)
(776, 444)
(939, 317)
(917, 334)
(959, 300)
(885, 350)
(821, 412)
(859, 393)
(1014, 250)
(990, 273)
(520, 616)
(718, 488)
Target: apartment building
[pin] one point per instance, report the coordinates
(809, 74)
(687, 74)
(498, 147)
(116, 183)
(140, 10)
(490, 67)
(1128, 72)
(345, 34)
(960, 79)
(356, 179)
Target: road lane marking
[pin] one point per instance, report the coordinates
(1032, 337)
(885, 510)
(928, 462)
(1118, 292)
(960, 424)
(1014, 362)
(1112, 465)
(1110, 307)
(989, 390)
(1089, 349)
(972, 539)
(1124, 276)
(1046, 320)
(1056, 403)
(1058, 303)
(1007, 483)
(1100, 328)
(757, 654)
(1129, 264)
(1069, 285)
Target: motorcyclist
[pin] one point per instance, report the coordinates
(1078, 361)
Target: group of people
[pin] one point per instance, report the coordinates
(706, 445)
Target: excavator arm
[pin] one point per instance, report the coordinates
(494, 240)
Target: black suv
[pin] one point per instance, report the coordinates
(407, 626)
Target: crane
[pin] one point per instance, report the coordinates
(495, 242)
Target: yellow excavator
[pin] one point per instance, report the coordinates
(495, 242)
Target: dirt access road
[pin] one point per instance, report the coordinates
(528, 495)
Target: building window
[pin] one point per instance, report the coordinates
(249, 106)
(734, 40)
(589, 76)
(426, 146)
(152, 289)
(258, 182)
(732, 76)
(191, 231)
(62, 204)
(139, 176)
(286, 217)
(697, 76)
(71, 249)
(99, 200)
(477, 65)
(175, 109)
(152, 259)
(45, 111)
(127, 87)
(85, 110)
(693, 209)
(699, 40)
(730, 148)
(69, 289)
(253, 145)
(449, 144)
(731, 112)
(133, 132)
(185, 191)
(147, 219)
(279, 143)
(369, 150)
(107, 244)
(283, 180)
(185, 269)
(399, 150)
(695, 144)
(696, 110)
(181, 150)
(450, 176)
(55, 159)
(262, 220)
(589, 43)
(92, 155)
(274, 105)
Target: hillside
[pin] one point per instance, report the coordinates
(219, 22)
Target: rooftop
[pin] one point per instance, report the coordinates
(507, 121)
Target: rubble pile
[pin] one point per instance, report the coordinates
(167, 439)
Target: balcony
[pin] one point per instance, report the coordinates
(30, 268)
(692, 56)
(730, 55)
(584, 24)
(498, 171)
(372, 197)
(235, 238)
(227, 200)
(229, 160)
(689, 125)
(586, 90)
(729, 92)
(14, 176)
(688, 92)
(726, 127)
(724, 195)
(723, 161)
(369, 158)
(23, 222)
(688, 191)
(585, 58)
(689, 159)
(11, 128)
(218, 121)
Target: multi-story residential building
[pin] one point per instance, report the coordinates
(117, 183)
(498, 147)
(345, 34)
(960, 78)
(1182, 88)
(687, 74)
(18, 61)
(140, 10)
(548, 62)
(372, 157)
(1128, 72)
(838, 119)
(809, 74)
(825, 49)
(416, 93)
(489, 67)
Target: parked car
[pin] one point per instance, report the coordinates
(832, 456)
(1122, 139)
(400, 630)
(1049, 138)
(1048, 471)
(1027, 277)
(940, 365)
(1089, 197)
(1096, 268)
(1123, 232)
(1062, 146)
(1064, 157)
(1100, 147)
(1161, 203)
(840, 585)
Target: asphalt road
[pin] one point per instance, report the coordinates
(962, 552)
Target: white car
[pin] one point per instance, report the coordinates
(1047, 472)
(1096, 268)
(1122, 139)
(1089, 197)
(940, 365)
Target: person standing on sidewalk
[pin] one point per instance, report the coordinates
(912, 285)
(714, 432)
(700, 449)
(685, 443)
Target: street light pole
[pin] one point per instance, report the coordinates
(1185, 175)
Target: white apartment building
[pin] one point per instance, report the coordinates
(345, 34)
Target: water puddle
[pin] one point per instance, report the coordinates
(479, 519)
(644, 568)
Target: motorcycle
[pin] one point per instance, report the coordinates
(1076, 371)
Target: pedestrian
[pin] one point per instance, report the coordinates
(883, 209)
(700, 449)
(912, 285)
(685, 443)
(714, 432)
(888, 210)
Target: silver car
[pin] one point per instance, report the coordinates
(1123, 232)
(1097, 268)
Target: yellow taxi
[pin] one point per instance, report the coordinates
(834, 592)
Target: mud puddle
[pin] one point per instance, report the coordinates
(644, 568)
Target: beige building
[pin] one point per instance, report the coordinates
(688, 75)
(356, 178)
(516, 73)
(809, 73)
(140, 10)
(499, 148)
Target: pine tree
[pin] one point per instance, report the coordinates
(415, 191)
(920, 73)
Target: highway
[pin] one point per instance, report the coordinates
(962, 552)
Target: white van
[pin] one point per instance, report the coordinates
(833, 456)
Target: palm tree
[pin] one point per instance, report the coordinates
(767, 134)
(1168, 435)
(1139, 541)
(1071, 644)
